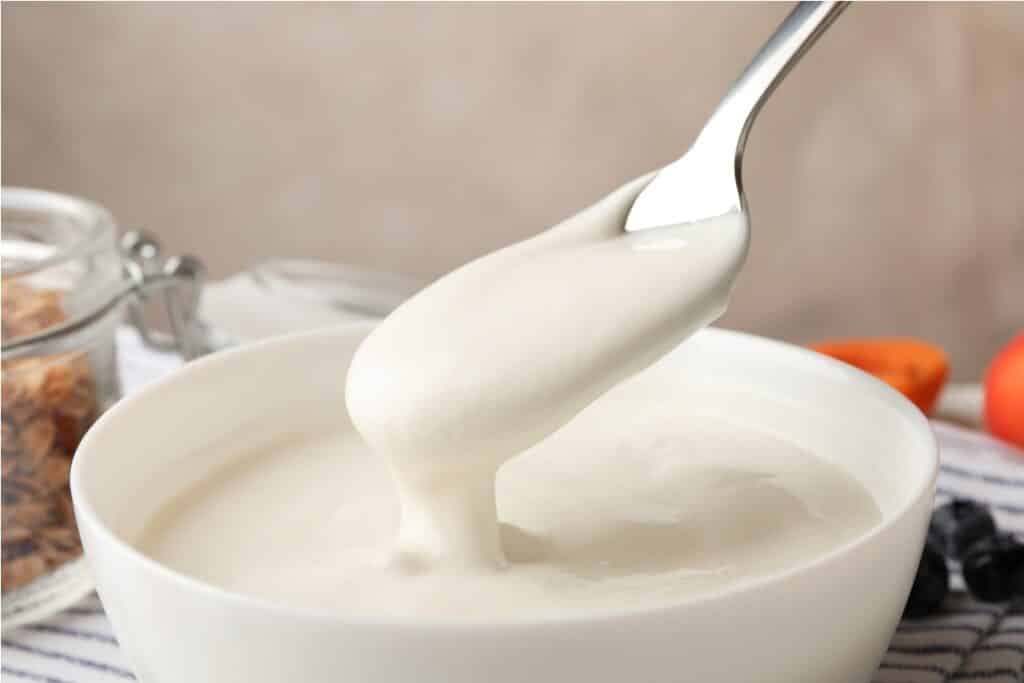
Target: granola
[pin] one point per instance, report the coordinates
(48, 402)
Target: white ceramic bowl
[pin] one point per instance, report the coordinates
(829, 620)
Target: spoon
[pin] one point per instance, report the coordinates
(707, 181)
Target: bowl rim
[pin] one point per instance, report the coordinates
(88, 516)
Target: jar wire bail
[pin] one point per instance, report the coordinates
(178, 282)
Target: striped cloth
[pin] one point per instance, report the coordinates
(968, 641)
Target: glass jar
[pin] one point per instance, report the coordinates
(67, 283)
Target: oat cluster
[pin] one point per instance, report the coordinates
(48, 403)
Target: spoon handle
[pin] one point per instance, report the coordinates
(731, 121)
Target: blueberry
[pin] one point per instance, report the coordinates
(957, 525)
(930, 585)
(994, 568)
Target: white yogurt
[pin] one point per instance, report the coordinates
(497, 355)
(639, 501)
(633, 501)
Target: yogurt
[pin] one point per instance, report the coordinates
(499, 354)
(642, 500)
(507, 457)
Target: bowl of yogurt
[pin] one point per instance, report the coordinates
(540, 468)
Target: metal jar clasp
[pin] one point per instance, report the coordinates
(178, 282)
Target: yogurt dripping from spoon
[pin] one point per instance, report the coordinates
(500, 353)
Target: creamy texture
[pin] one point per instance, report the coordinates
(638, 501)
(499, 354)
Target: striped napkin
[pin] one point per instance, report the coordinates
(968, 641)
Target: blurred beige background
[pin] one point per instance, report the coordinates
(885, 177)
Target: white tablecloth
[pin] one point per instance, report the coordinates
(968, 641)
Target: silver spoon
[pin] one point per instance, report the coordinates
(707, 181)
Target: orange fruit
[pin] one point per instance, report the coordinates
(915, 368)
(1004, 393)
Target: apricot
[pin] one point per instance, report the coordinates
(915, 368)
(1004, 393)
